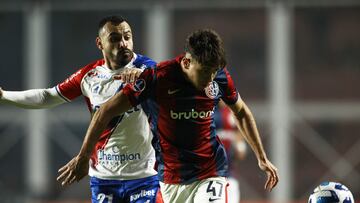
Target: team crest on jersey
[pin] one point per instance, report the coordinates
(139, 85)
(212, 90)
(92, 74)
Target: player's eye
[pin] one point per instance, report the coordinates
(115, 39)
(127, 37)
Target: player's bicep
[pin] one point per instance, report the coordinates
(238, 108)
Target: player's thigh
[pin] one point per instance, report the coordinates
(103, 192)
(212, 190)
(146, 190)
(176, 193)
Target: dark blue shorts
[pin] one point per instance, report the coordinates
(144, 190)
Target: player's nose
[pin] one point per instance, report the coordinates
(123, 43)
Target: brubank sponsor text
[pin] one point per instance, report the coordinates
(191, 114)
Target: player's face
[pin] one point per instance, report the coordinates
(116, 43)
(199, 75)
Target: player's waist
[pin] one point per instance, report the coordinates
(120, 175)
(186, 169)
(136, 181)
(168, 179)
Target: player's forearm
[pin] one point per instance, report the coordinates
(97, 126)
(247, 125)
(115, 106)
(32, 99)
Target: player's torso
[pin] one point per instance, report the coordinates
(124, 151)
(187, 132)
(187, 111)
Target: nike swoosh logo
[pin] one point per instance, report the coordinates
(211, 199)
(173, 91)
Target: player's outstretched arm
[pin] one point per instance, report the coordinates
(247, 125)
(32, 99)
(78, 167)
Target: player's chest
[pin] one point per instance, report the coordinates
(100, 87)
(187, 97)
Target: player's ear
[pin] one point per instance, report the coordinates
(98, 43)
(186, 62)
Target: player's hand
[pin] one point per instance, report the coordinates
(272, 174)
(129, 75)
(73, 171)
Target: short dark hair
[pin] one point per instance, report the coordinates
(115, 20)
(206, 46)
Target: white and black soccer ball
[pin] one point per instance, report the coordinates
(331, 192)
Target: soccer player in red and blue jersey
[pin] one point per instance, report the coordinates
(181, 95)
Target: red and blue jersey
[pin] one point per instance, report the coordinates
(182, 120)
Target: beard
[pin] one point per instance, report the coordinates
(124, 56)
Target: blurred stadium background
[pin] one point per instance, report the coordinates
(296, 63)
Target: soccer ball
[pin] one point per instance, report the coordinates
(331, 192)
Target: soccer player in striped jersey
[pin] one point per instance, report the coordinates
(121, 165)
(182, 94)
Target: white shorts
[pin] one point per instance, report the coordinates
(211, 190)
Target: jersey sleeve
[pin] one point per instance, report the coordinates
(33, 98)
(142, 88)
(229, 92)
(71, 87)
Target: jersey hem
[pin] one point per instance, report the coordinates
(121, 177)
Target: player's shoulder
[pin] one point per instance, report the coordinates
(223, 71)
(170, 63)
(222, 74)
(169, 66)
(92, 65)
(142, 61)
(164, 70)
(81, 72)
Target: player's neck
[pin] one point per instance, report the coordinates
(116, 66)
(187, 76)
(113, 66)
